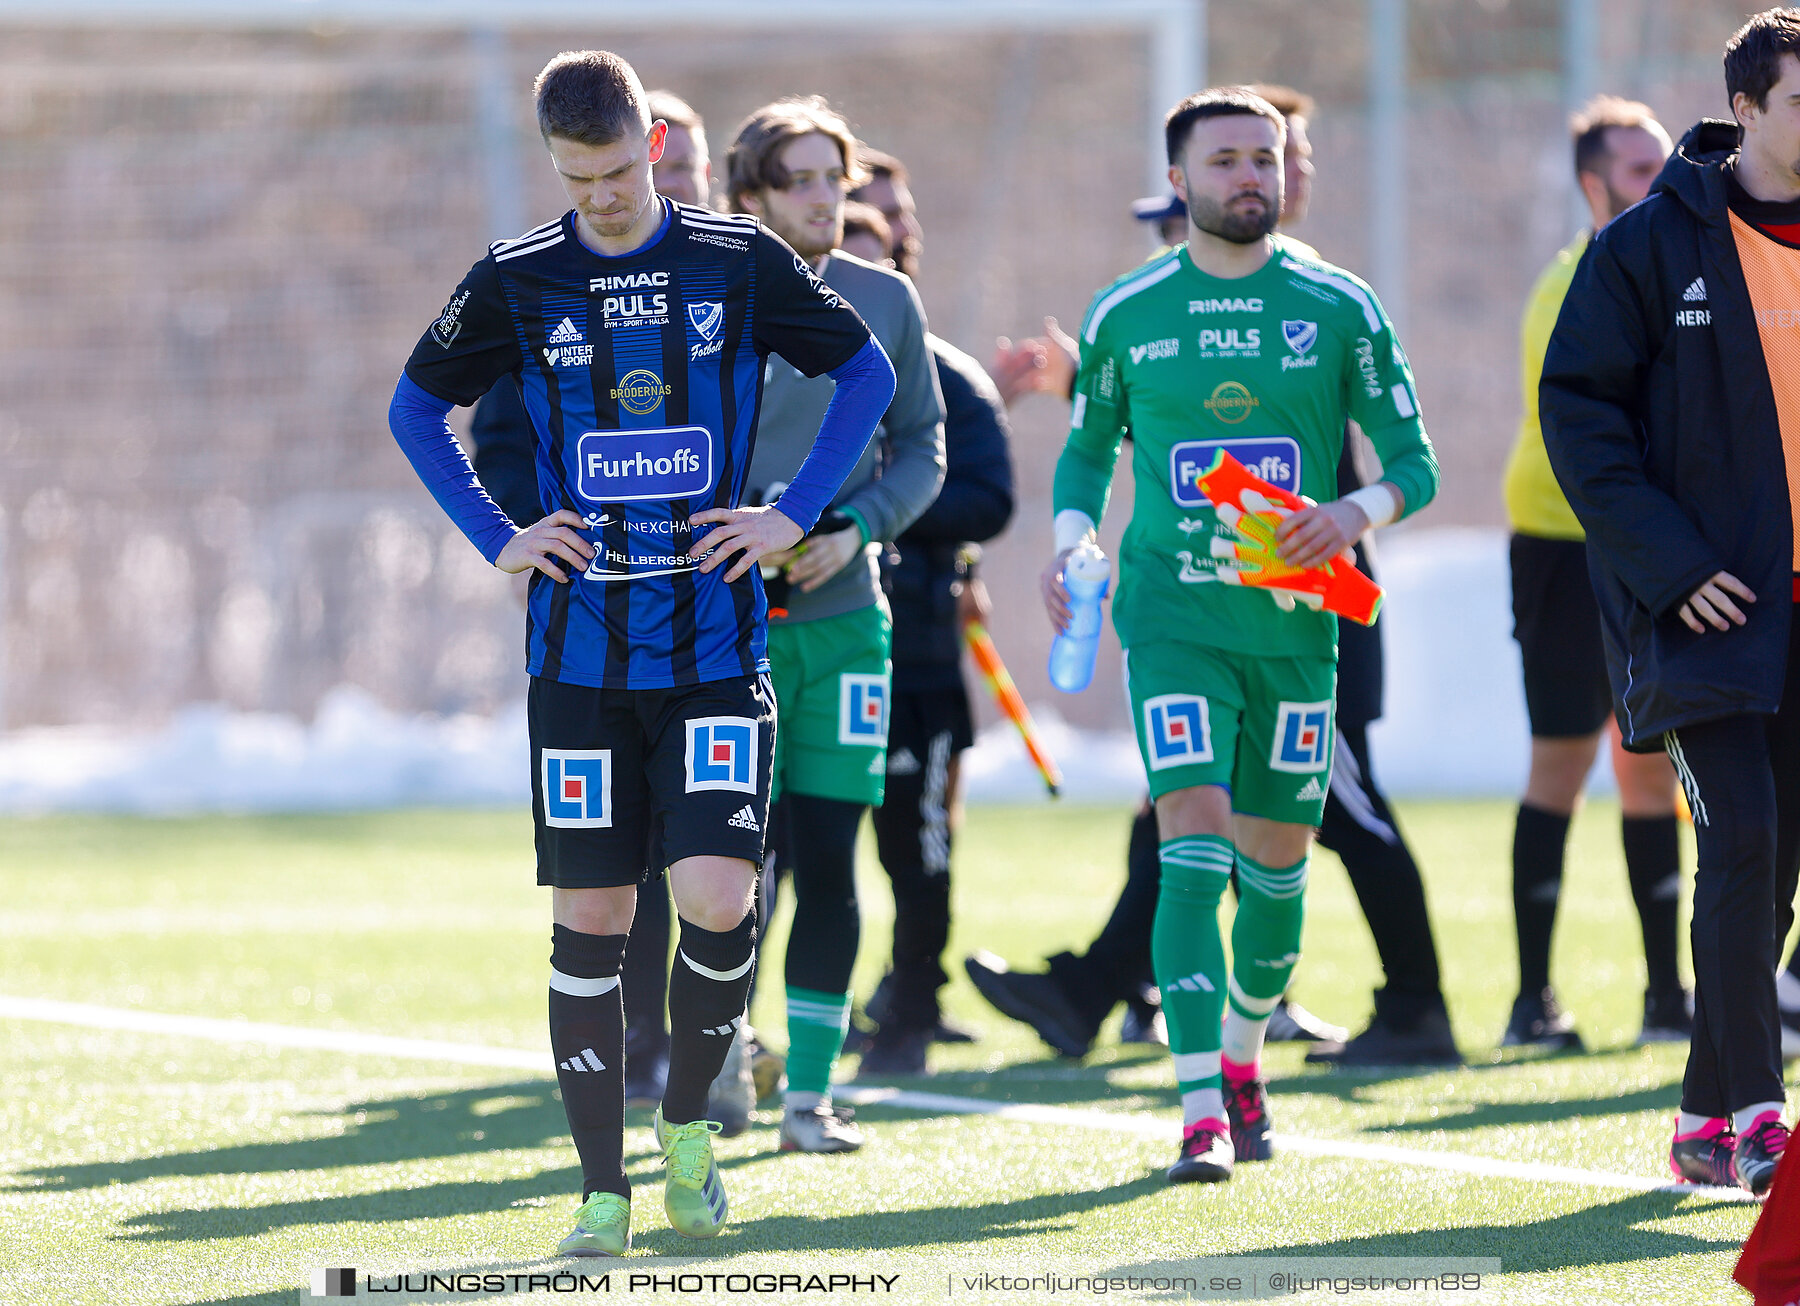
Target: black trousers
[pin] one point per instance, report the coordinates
(1360, 829)
(1742, 776)
(913, 837)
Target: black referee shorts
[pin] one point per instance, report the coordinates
(1557, 624)
(614, 771)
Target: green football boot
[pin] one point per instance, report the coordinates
(693, 1193)
(602, 1228)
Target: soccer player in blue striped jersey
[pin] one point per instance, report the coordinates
(637, 331)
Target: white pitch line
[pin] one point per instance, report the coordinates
(468, 1054)
(1150, 1127)
(286, 1036)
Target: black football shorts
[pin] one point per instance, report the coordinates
(1557, 624)
(616, 771)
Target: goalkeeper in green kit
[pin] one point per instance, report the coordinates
(1235, 342)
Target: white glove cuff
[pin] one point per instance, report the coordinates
(1380, 503)
(1072, 527)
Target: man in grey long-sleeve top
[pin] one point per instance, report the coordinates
(791, 165)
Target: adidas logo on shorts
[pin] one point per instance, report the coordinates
(1309, 791)
(745, 819)
(584, 1061)
(902, 763)
(1696, 291)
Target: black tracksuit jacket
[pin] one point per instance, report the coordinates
(1660, 424)
(924, 573)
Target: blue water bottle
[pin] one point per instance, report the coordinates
(1072, 653)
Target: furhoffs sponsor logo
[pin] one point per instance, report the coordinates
(664, 463)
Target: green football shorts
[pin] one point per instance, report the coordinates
(831, 689)
(1259, 726)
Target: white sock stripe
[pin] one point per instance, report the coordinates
(1220, 872)
(1199, 1104)
(578, 987)
(1203, 858)
(587, 1055)
(1257, 1007)
(737, 972)
(1190, 1066)
(1198, 843)
(1274, 884)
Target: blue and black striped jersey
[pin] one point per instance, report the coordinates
(643, 377)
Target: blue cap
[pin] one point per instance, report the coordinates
(1158, 208)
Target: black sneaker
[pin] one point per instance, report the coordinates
(1037, 1000)
(1758, 1150)
(895, 1052)
(1206, 1157)
(1247, 1108)
(1705, 1156)
(1538, 1022)
(1292, 1023)
(1668, 1017)
(880, 1011)
(1424, 1041)
(646, 1071)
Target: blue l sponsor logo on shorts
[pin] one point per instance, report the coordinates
(862, 709)
(672, 462)
(1275, 458)
(1302, 738)
(721, 754)
(1177, 731)
(577, 786)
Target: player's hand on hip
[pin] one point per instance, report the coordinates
(554, 546)
(1314, 536)
(1056, 597)
(1712, 604)
(747, 533)
(824, 557)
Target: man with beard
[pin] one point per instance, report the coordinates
(1231, 343)
(1619, 150)
(791, 164)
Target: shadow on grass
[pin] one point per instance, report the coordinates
(888, 1230)
(494, 1117)
(1488, 1115)
(909, 1230)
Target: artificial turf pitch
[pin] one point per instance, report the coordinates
(163, 1168)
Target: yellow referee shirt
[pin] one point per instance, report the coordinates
(1534, 501)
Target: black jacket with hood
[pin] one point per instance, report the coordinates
(1661, 427)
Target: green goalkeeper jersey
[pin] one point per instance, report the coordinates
(1267, 367)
